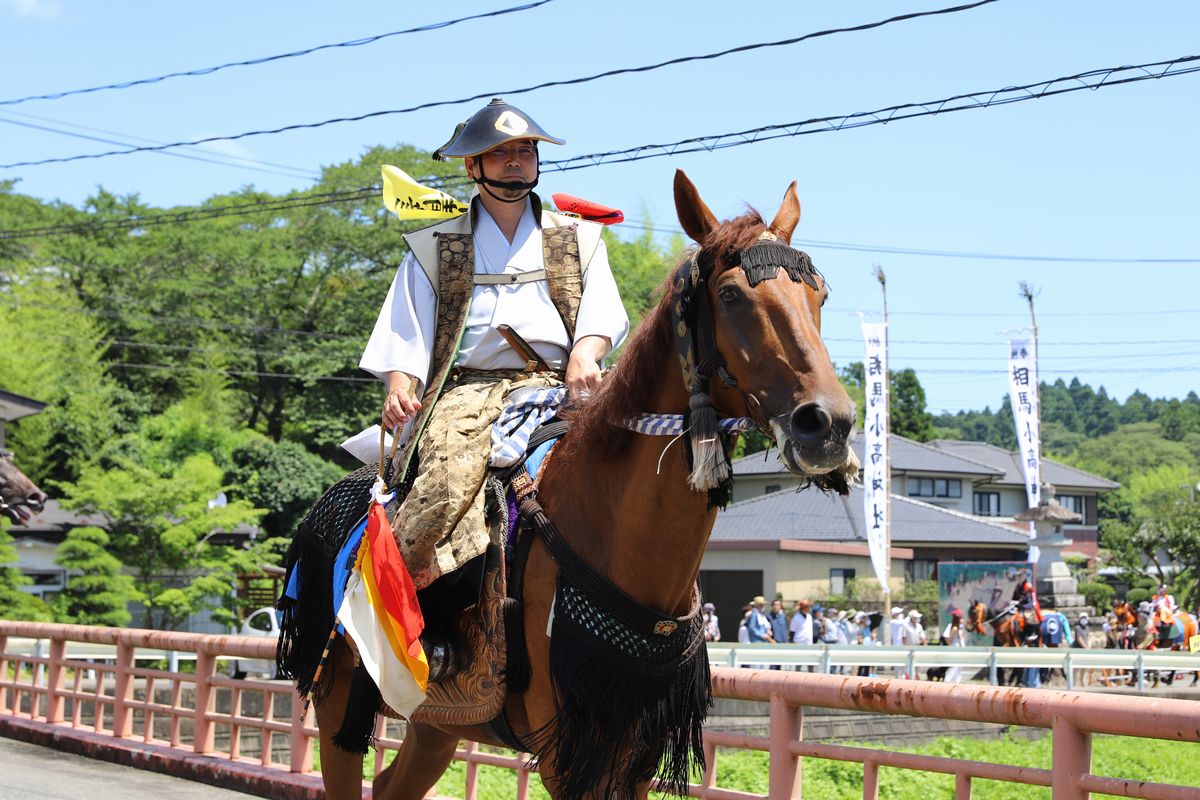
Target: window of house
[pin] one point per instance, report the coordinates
(987, 504)
(774, 487)
(920, 569)
(934, 487)
(1072, 502)
(838, 578)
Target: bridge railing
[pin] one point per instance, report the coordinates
(911, 659)
(50, 690)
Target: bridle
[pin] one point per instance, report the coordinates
(699, 359)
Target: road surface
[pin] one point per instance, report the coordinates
(31, 772)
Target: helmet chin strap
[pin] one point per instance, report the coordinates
(484, 182)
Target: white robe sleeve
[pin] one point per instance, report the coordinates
(403, 336)
(601, 312)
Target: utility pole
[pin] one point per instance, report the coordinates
(887, 481)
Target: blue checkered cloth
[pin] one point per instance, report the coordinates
(511, 432)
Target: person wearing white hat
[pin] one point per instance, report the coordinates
(914, 631)
(896, 626)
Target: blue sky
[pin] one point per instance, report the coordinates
(1106, 174)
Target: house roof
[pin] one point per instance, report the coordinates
(15, 406)
(814, 516)
(53, 518)
(1009, 467)
(907, 456)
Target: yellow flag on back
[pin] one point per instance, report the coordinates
(408, 199)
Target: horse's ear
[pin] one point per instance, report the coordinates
(788, 215)
(694, 216)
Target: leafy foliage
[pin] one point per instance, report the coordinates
(97, 593)
(14, 603)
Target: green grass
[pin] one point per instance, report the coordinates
(1115, 756)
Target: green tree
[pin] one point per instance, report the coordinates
(909, 417)
(97, 593)
(163, 530)
(14, 603)
(55, 353)
(281, 477)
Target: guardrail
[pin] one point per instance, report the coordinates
(910, 659)
(124, 708)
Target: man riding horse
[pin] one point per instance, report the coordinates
(439, 346)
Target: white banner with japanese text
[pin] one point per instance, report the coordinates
(876, 478)
(1022, 383)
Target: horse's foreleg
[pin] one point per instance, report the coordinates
(341, 771)
(422, 759)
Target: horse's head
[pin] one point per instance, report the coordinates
(18, 495)
(976, 615)
(764, 301)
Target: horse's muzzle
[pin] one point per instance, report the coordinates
(814, 438)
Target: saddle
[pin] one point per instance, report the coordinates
(477, 649)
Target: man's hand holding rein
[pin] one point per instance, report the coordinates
(400, 405)
(583, 367)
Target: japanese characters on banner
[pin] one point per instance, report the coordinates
(1022, 382)
(876, 477)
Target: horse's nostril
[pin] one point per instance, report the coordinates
(36, 501)
(811, 421)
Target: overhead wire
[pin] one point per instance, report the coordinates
(172, 153)
(506, 92)
(266, 59)
(6, 113)
(1092, 80)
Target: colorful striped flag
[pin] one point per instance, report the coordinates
(381, 615)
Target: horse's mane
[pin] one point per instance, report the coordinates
(630, 387)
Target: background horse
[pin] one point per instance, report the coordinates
(20, 498)
(622, 499)
(1003, 634)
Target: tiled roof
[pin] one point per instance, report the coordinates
(814, 516)
(53, 517)
(1009, 467)
(907, 456)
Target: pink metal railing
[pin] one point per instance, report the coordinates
(38, 688)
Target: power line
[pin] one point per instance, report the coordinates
(189, 156)
(241, 373)
(959, 254)
(882, 116)
(1080, 81)
(266, 59)
(212, 153)
(214, 212)
(507, 92)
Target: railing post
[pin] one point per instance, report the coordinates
(1069, 672)
(205, 735)
(910, 665)
(787, 725)
(962, 786)
(870, 780)
(993, 677)
(1072, 759)
(55, 681)
(300, 759)
(4, 693)
(825, 659)
(122, 693)
(1141, 672)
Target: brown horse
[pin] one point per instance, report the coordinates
(1003, 632)
(20, 498)
(627, 509)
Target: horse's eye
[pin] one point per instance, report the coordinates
(729, 295)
